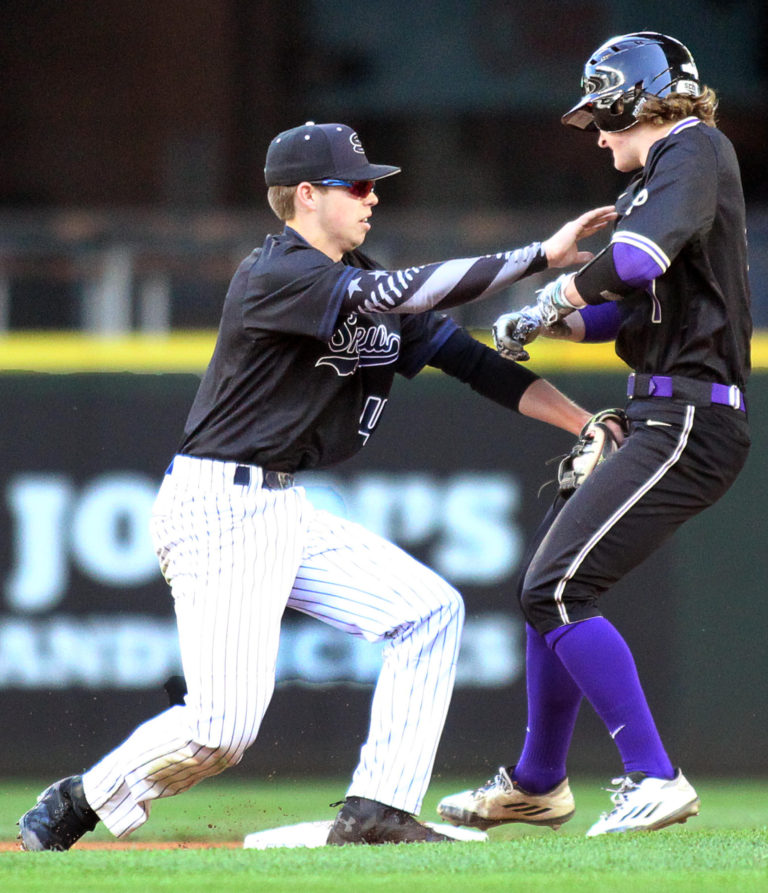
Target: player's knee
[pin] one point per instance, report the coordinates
(537, 602)
(444, 612)
(453, 607)
(225, 754)
(527, 607)
(222, 745)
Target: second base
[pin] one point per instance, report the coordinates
(314, 834)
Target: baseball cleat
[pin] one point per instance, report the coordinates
(501, 800)
(361, 821)
(644, 803)
(61, 817)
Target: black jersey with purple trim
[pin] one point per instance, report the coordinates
(308, 348)
(685, 211)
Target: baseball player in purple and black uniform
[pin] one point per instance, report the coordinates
(672, 289)
(311, 336)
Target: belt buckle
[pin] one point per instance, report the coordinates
(278, 480)
(734, 397)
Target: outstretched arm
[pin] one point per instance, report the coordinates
(542, 400)
(592, 323)
(510, 385)
(562, 248)
(455, 282)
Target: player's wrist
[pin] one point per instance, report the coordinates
(571, 293)
(552, 302)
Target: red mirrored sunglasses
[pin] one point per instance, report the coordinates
(356, 188)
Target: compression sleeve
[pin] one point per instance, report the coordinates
(465, 358)
(434, 286)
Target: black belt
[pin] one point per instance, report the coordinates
(270, 480)
(691, 390)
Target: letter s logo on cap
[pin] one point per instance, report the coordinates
(357, 146)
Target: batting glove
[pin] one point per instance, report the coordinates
(513, 330)
(551, 301)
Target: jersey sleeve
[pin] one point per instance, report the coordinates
(421, 337)
(437, 286)
(676, 201)
(302, 291)
(295, 290)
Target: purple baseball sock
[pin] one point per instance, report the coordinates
(553, 705)
(601, 664)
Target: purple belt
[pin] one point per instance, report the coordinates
(690, 390)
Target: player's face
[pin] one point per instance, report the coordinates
(628, 153)
(344, 219)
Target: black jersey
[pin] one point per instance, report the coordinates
(304, 359)
(685, 210)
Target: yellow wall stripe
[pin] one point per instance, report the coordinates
(190, 352)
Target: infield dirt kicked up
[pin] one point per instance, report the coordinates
(13, 847)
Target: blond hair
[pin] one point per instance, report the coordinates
(663, 110)
(280, 199)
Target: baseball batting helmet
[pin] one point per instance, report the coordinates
(624, 71)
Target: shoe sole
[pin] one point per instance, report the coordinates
(680, 816)
(28, 840)
(474, 820)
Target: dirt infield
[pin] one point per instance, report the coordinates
(7, 846)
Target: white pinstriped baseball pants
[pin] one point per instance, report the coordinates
(235, 556)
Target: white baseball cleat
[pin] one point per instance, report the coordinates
(501, 800)
(644, 803)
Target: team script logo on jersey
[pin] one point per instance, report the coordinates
(358, 343)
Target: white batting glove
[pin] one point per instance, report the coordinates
(551, 301)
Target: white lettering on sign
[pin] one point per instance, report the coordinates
(103, 530)
(464, 524)
(119, 652)
(92, 652)
(110, 530)
(39, 505)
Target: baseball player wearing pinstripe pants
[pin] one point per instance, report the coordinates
(311, 335)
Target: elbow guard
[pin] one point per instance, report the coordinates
(598, 280)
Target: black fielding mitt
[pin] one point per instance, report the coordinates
(594, 444)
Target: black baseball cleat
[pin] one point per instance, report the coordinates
(61, 817)
(370, 822)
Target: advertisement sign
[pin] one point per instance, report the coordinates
(87, 630)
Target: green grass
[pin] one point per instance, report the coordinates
(724, 849)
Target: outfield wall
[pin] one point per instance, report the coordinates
(86, 625)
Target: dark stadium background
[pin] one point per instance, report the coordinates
(132, 139)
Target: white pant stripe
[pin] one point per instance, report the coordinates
(621, 511)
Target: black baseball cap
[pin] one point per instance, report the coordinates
(318, 152)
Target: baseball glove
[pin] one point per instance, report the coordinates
(594, 445)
